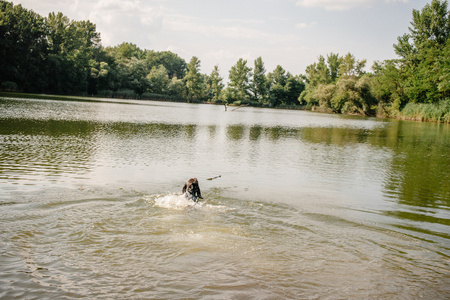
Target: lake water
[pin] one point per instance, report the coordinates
(308, 206)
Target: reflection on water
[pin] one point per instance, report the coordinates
(308, 205)
(34, 148)
(422, 164)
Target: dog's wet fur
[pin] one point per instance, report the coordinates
(191, 190)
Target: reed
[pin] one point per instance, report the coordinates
(428, 112)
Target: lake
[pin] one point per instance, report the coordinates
(308, 205)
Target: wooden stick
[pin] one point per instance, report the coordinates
(214, 177)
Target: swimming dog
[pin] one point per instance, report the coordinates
(191, 190)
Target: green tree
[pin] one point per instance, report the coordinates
(175, 66)
(316, 74)
(98, 77)
(444, 76)
(127, 51)
(293, 88)
(158, 80)
(277, 80)
(350, 66)
(338, 85)
(193, 79)
(85, 42)
(23, 47)
(353, 96)
(57, 26)
(216, 84)
(131, 76)
(59, 47)
(176, 87)
(387, 86)
(334, 62)
(239, 77)
(323, 94)
(431, 25)
(423, 54)
(278, 76)
(72, 47)
(258, 84)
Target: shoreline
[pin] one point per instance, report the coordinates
(417, 112)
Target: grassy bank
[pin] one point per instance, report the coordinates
(116, 96)
(436, 112)
(41, 96)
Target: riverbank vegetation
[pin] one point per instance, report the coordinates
(56, 55)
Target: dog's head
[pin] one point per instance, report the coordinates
(192, 187)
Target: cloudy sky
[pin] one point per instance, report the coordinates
(290, 33)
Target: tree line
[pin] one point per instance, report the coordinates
(57, 55)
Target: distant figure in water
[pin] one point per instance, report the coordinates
(191, 190)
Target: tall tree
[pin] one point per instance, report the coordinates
(98, 81)
(73, 47)
(193, 79)
(278, 76)
(318, 73)
(423, 53)
(23, 46)
(387, 84)
(239, 77)
(176, 87)
(175, 65)
(353, 96)
(158, 80)
(57, 25)
(258, 84)
(216, 84)
(127, 51)
(333, 85)
(293, 88)
(277, 80)
(334, 62)
(350, 66)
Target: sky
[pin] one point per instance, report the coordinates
(290, 33)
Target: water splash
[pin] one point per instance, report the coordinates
(180, 202)
(172, 201)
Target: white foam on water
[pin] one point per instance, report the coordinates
(173, 201)
(180, 202)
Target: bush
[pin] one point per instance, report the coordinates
(218, 101)
(162, 97)
(125, 94)
(105, 93)
(9, 86)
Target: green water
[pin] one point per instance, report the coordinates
(308, 206)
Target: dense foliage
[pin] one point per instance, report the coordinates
(422, 73)
(57, 55)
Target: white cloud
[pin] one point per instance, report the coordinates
(342, 4)
(189, 25)
(115, 11)
(221, 33)
(334, 4)
(402, 1)
(219, 55)
(120, 20)
(305, 25)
